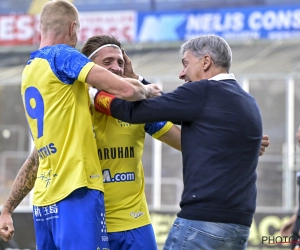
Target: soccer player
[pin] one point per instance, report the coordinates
(120, 148)
(69, 211)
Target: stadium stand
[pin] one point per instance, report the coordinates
(14, 6)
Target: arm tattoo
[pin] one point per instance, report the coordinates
(24, 182)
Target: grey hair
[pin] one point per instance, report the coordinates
(213, 45)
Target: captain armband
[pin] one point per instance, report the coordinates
(103, 101)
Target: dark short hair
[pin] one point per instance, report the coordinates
(95, 42)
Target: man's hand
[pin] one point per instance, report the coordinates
(264, 143)
(128, 69)
(287, 228)
(148, 91)
(153, 90)
(6, 226)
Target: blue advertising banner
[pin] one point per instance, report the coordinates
(269, 23)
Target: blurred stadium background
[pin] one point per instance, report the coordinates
(265, 39)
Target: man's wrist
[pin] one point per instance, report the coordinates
(7, 210)
(148, 92)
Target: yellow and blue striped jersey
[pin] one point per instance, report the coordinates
(56, 102)
(120, 150)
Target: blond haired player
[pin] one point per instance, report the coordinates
(69, 211)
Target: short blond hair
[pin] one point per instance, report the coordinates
(57, 15)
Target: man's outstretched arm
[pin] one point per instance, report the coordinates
(22, 185)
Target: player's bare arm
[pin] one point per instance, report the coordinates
(124, 88)
(24, 182)
(22, 185)
(172, 137)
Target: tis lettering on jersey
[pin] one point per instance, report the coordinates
(47, 150)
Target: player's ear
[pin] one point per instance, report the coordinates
(206, 62)
(72, 28)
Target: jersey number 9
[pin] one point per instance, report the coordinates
(34, 105)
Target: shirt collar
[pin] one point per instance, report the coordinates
(223, 76)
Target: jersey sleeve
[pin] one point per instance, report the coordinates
(85, 70)
(157, 129)
(70, 65)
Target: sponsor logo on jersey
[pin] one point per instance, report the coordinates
(118, 177)
(124, 124)
(137, 214)
(94, 176)
(47, 177)
(116, 153)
